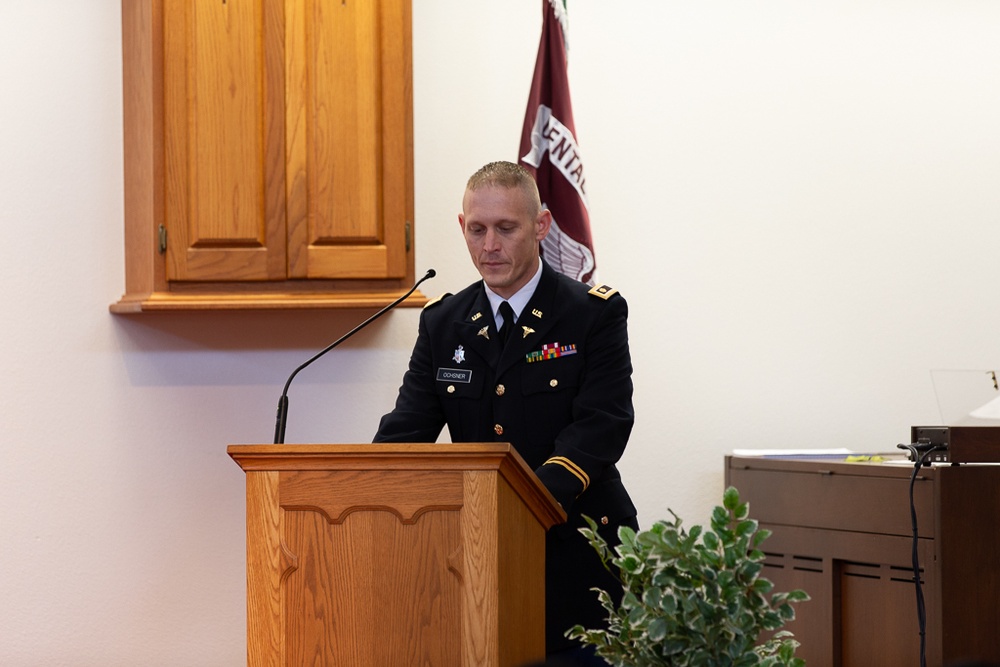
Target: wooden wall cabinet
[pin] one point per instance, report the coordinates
(842, 532)
(268, 153)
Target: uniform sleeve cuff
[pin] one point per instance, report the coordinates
(564, 480)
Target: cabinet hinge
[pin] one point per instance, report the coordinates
(408, 233)
(163, 239)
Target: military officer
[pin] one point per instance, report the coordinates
(537, 359)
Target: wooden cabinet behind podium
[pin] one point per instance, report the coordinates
(268, 153)
(377, 555)
(842, 532)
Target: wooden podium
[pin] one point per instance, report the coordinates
(389, 555)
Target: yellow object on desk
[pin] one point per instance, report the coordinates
(860, 458)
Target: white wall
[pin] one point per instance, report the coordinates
(799, 201)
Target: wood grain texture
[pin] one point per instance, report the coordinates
(394, 555)
(480, 548)
(268, 562)
(492, 456)
(521, 574)
(241, 299)
(372, 590)
(841, 531)
(406, 493)
(142, 102)
(272, 141)
(349, 147)
(224, 128)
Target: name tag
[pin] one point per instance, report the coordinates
(454, 375)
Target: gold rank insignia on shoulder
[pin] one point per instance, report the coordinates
(603, 291)
(437, 300)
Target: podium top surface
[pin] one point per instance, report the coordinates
(364, 456)
(501, 458)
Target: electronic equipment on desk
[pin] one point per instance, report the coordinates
(957, 444)
(969, 402)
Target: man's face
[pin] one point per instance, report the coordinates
(503, 235)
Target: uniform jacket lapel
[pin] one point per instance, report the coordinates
(470, 330)
(537, 318)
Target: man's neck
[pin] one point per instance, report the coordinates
(519, 299)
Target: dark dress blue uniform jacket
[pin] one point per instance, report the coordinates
(560, 392)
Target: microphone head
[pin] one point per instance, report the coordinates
(430, 273)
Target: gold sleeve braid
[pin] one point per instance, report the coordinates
(573, 468)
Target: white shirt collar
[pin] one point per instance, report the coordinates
(518, 301)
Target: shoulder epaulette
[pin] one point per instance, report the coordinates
(603, 291)
(437, 300)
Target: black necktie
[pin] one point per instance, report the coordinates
(508, 321)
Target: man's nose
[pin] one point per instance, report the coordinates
(491, 241)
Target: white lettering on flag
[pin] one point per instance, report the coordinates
(548, 135)
(565, 254)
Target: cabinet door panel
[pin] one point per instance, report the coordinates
(223, 87)
(347, 199)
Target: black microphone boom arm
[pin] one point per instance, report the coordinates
(282, 419)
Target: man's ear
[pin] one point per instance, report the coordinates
(461, 221)
(542, 224)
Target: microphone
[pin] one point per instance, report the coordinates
(279, 427)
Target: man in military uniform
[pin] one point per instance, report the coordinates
(537, 359)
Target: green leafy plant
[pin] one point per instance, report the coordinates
(693, 597)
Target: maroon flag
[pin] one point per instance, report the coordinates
(549, 150)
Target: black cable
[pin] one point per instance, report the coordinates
(919, 453)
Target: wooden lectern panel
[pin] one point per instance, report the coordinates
(394, 555)
(371, 567)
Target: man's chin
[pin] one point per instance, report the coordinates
(495, 278)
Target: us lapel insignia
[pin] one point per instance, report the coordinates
(476, 316)
(459, 355)
(537, 313)
(527, 330)
(484, 332)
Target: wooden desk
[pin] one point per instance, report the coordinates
(843, 533)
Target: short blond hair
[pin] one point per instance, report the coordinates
(504, 174)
